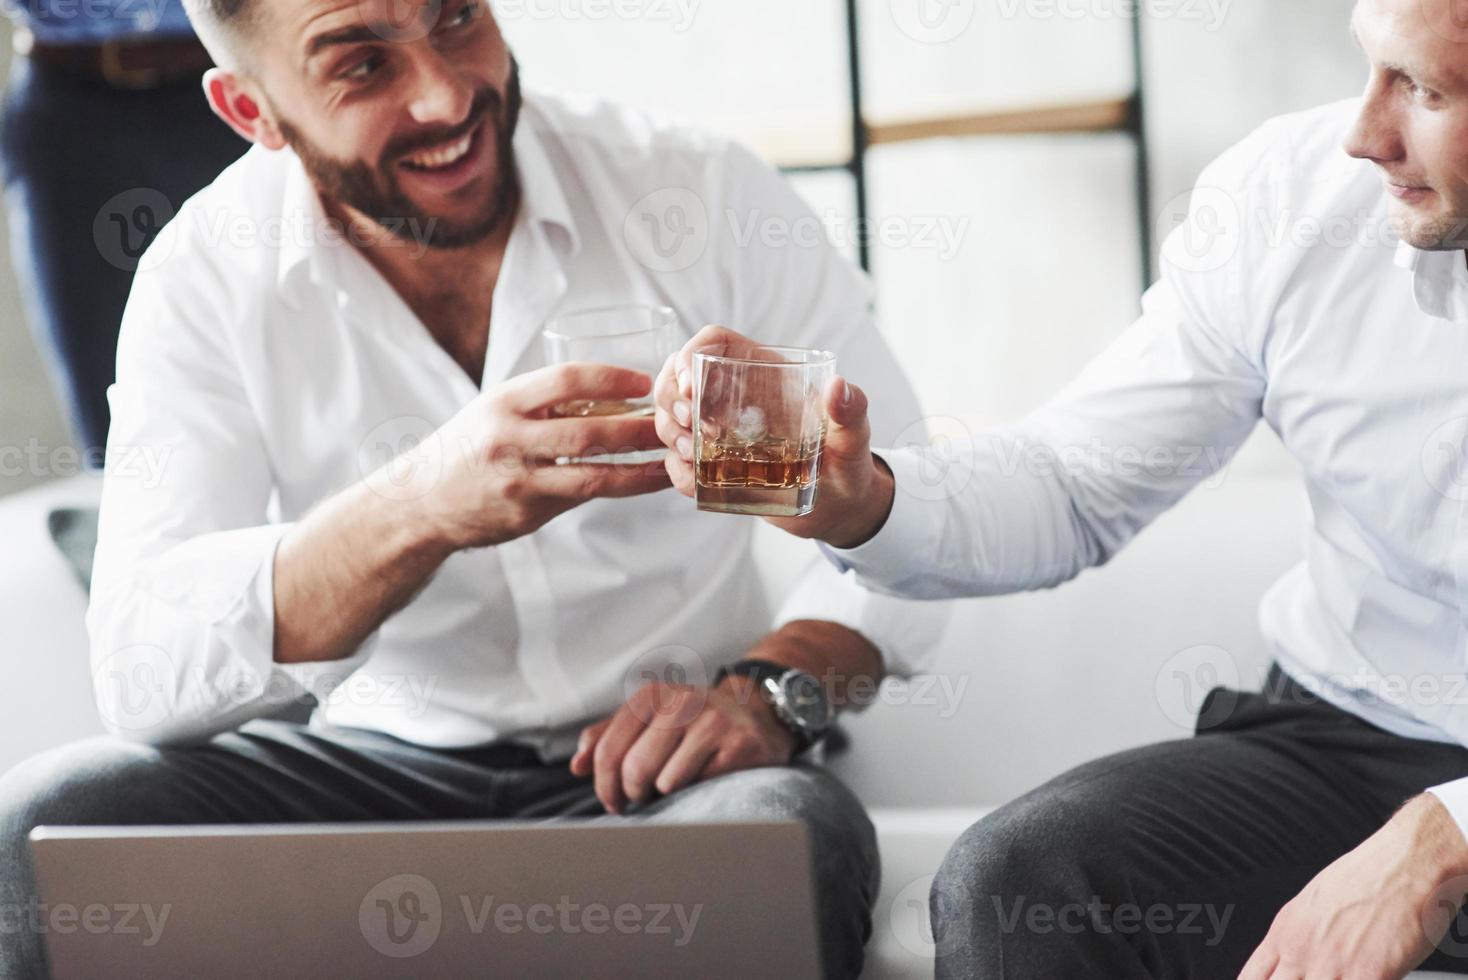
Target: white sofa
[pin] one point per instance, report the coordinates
(1035, 683)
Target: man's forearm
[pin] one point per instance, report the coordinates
(344, 569)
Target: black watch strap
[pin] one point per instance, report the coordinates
(760, 670)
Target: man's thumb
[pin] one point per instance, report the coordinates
(849, 434)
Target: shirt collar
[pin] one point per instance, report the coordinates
(1439, 280)
(309, 235)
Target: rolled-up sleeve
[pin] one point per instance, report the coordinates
(181, 619)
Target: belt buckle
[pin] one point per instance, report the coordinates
(119, 75)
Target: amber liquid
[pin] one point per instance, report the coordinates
(593, 409)
(771, 477)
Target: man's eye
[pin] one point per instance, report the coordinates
(467, 15)
(362, 69)
(1418, 91)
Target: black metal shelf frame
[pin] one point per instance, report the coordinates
(1133, 125)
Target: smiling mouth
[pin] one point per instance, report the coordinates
(442, 156)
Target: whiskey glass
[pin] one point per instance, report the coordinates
(636, 337)
(759, 425)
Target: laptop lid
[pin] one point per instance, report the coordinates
(470, 899)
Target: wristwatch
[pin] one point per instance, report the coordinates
(798, 699)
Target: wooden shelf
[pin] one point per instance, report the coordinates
(817, 147)
(1085, 117)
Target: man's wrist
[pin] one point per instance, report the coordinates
(414, 528)
(1435, 835)
(869, 520)
(746, 692)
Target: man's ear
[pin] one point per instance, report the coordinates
(235, 100)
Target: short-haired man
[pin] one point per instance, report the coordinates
(1315, 829)
(337, 346)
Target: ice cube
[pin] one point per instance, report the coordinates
(751, 425)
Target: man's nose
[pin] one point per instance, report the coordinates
(441, 95)
(1375, 135)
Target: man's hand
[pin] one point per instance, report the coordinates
(856, 488)
(1379, 910)
(490, 475)
(487, 476)
(668, 736)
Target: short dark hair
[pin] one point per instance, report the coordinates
(222, 26)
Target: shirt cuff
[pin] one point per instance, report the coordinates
(324, 680)
(914, 527)
(1454, 796)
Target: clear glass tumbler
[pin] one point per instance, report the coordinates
(759, 427)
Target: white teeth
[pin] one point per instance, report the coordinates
(444, 157)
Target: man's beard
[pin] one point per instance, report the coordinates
(1435, 233)
(374, 191)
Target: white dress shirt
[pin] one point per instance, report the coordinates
(269, 366)
(1285, 297)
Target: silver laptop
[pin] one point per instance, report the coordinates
(582, 899)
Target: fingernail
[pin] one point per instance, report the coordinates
(681, 413)
(845, 392)
(685, 447)
(683, 378)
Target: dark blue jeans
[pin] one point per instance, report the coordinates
(91, 173)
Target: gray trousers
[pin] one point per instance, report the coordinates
(279, 772)
(1172, 860)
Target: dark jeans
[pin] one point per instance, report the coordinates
(91, 173)
(278, 772)
(1172, 860)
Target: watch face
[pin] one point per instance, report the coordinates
(806, 701)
